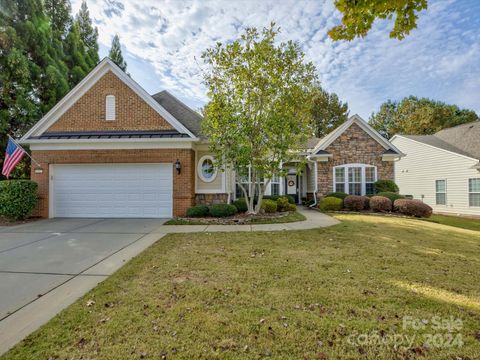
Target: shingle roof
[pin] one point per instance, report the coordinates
(312, 142)
(189, 118)
(462, 139)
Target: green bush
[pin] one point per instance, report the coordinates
(391, 195)
(291, 207)
(241, 205)
(380, 204)
(222, 210)
(17, 198)
(338, 195)
(330, 203)
(282, 203)
(198, 211)
(385, 186)
(290, 198)
(269, 206)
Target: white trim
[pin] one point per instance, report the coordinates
(83, 86)
(448, 151)
(110, 108)
(469, 192)
(105, 145)
(436, 192)
(330, 138)
(200, 169)
(345, 175)
(50, 191)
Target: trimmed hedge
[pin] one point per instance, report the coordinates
(282, 204)
(17, 198)
(354, 202)
(222, 210)
(269, 206)
(380, 203)
(391, 195)
(198, 211)
(415, 208)
(290, 198)
(385, 186)
(366, 202)
(338, 195)
(291, 207)
(330, 203)
(241, 205)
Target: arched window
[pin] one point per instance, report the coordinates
(206, 169)
(110, 107)
(354, 179)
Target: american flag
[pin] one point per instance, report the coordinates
(13, 155)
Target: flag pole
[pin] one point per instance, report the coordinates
(26, 153)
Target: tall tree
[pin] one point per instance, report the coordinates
(414, 116)
(259, 113)
(88, 35)
(75, 56)
(116, 53)
(59, 13)
(359, 16)
(328, 111)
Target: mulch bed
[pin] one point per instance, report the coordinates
(6, 222)
(238, 219)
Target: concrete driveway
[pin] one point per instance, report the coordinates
(48, 264)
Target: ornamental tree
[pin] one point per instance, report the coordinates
(259, 113)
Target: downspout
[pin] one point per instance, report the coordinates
(315, 189)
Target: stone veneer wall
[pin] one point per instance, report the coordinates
(209, 199)
(353, 146)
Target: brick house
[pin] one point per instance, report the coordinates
(109, 149)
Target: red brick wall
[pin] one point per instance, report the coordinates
(353, 146)
(183, 184)
(88, 113)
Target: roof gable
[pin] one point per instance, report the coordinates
(101, 70)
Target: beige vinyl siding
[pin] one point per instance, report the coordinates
(203, 187)
(416, 173)
(311, 178)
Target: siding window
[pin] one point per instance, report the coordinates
(441, 192)
(474, 192)
(340, 179)
(275, 186)
(355, 181)
(110, 107)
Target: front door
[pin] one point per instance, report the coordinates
(292, 186)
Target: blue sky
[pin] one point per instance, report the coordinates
(162, 42)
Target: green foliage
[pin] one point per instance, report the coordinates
(58, 11)
(241, 205)
(289, 198)
(17, 198)
(414, 116)
(282, 203)
(331, 204)
(88, 34)
(198, 211)
(291, 207)
(222, 210)
(269, 206)
(391, 195)
(328, 112)
(115, 53)
(338, 194)
(380, 204)
(259, 113)
(359, 16)
(385, 186)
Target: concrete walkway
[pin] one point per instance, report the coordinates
(47, 265)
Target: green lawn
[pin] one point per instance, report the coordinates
(284, 295)
(457, 221)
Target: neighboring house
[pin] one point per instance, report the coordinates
(442, 169)
(109, 149)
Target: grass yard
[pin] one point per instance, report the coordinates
(461, 222)
(285, 295)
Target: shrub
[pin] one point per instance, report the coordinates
(198, 211)
(385, 186)
(415, 208)
(282, 203)
(290, 198)
(391, 195)
(222, 210)
(269, 206)
(380, 203)
(17, 198)
(330, 203)
(338, 195)
(241, 205)
(366, 202)
(354, 202)
(291, 207)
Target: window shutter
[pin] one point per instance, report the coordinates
(110, 107)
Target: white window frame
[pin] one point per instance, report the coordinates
(275, 180)
(200, 169)
(110, 112)
(346, 182)
(445, 192)
(471, 192)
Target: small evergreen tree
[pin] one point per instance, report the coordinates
(76, 57)
(116, 53)
(88, 34)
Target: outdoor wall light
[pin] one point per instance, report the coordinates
(178, 166)
(38, 170)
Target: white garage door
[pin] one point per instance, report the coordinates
(111, 190)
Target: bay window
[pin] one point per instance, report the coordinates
(354, 179)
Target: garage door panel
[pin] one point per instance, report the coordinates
(112, 190)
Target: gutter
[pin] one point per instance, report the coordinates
(315, 191)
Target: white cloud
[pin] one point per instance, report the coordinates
(440, 59)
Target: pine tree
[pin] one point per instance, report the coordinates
(116, 53)
(75, 56)
(88, 35)
(58, 11)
